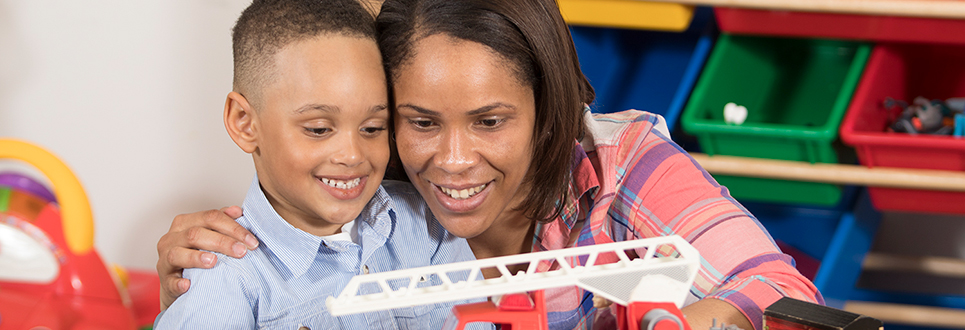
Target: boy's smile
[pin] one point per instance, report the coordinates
(318, 129)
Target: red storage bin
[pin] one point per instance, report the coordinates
(843, 26)
(903, 72)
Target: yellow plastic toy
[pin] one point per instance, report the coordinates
(78, 221)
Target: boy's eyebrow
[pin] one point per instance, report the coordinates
(380, 107)
(318, 107)
(335, 109)
(474, 112)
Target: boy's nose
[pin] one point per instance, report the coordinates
(348, 152)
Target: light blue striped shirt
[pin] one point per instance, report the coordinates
(284, 282)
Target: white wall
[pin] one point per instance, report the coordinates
(129, 94)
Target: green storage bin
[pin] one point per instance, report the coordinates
(796, 92)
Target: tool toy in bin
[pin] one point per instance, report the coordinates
(925, 116)
(51, 277)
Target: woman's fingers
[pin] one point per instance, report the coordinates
(172, 287)
(211, 230)
(179, 248)
(169, 268)
(233, 229)
(232, 211)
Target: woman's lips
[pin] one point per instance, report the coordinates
(465, 200)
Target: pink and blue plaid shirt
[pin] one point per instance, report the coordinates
(631, 181)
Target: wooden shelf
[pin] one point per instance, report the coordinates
(915, 8)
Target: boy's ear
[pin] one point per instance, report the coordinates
(240, 120)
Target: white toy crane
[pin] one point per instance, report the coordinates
(649, 289)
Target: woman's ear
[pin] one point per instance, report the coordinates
(240, 120)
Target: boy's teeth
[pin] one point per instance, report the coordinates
(462, 194)
(342, 184)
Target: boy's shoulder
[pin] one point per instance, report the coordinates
(396, 188)
(406, 201)
(235, 267)
(412, 213)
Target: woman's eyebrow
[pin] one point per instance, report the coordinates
(490, 107)
(419, 109)
(474, 112)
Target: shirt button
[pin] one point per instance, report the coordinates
(365, 269)
(302, 327)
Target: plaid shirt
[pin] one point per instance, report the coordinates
(631, 181)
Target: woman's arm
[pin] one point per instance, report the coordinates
(661, 190)
(212, 230)
(743, 271)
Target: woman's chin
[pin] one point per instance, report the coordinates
(464, 227)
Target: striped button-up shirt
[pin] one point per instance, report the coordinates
(631, 181)
(283, 284)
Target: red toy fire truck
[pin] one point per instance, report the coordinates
(647, 290)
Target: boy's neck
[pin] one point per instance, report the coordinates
(308, 223)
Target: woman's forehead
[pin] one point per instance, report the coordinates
(461, 61)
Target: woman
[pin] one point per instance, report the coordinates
(491, 128)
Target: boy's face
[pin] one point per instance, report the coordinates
(322, 144)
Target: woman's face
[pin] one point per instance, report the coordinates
(464, 127)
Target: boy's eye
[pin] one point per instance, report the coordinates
(317, 131)
(373, 129)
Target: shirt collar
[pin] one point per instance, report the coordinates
(295, 248)
(583, 184)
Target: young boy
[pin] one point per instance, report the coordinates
(309, 103)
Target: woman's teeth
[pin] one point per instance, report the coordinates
(462, 194)
(342, 184)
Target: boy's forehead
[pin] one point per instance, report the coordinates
(326, 67)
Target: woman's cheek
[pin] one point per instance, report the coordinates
(409, 149)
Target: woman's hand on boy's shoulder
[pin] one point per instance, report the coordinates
(179, 248)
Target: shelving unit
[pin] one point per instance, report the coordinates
(906, 8)
(846, 250)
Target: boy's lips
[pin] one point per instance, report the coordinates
(461, 199)
(345, 189)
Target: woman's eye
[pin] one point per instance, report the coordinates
(317, 131)
(489, 122)
(420, 123)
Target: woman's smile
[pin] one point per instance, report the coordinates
(462, 200)
(464, 129)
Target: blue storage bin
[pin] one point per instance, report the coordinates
(645, 70)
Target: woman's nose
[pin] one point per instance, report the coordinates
(457, 152)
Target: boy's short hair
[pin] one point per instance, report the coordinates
(267, 26)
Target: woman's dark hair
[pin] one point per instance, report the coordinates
(531, 35)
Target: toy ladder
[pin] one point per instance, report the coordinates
(670, 256)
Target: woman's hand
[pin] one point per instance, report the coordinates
(701, 315)
(212, 230)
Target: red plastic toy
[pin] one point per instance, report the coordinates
(51, 277)
(637, 315)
